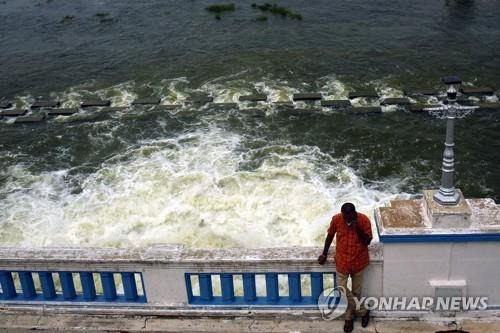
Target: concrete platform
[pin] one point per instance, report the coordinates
(219, 321)
(477, 91)
(420, 92)
(146, 101)
(95, 103)
(253, 98)
(366, 109)
(45, 104)
(36, 118)
(337, 104)
(5, 104)
(62, 112)
(396, 101)
(13, 113)
(363, 93)
(306, 96)
(301, 112)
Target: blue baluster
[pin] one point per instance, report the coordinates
(249, 292)
(316, 285)
(272, 289)
(108, 286)
(48, 288)
(27, 285)
(294, 287)
(67, 285)
(227, 287)
(8, 287)
(88, 286)
(205, 280)
(129, 286)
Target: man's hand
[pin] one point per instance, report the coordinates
(322, 259)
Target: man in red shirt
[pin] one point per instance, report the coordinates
(354, 234)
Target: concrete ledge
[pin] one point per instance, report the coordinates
(13, 113)
(200, 100)
(113, 108)
(396, 101)
(489, 106)
(36, 118)
(477, 91)
(306, 96)
(337, 104)
(253, 98)
(223, 105)
(364, 93)
(95, 103)
(45, 104)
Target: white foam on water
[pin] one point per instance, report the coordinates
(189, 189)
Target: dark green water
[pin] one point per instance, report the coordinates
(202, 176)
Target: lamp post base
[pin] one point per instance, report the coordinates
(447, 197)
(447, 216)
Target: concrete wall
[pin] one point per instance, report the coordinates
(415, 269)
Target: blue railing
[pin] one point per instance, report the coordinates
(66, 291)
(299, 292)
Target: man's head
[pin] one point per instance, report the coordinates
(349, 213)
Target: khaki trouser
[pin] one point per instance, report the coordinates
(357, 287)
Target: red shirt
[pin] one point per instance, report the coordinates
(351, 256)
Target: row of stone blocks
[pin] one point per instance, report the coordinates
(54, 110)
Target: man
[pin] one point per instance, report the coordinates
(354, 234)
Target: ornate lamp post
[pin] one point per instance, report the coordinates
(447, 195)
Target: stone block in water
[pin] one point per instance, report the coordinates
(223, 105)
(13, 113)
(95, 103)
(253, 98)
(337, 104)
(453, 79)
(35, 118)
(489, 106)
(366, 109)
(306, 96)
(477, 91)
(396, 101)
(201, 100)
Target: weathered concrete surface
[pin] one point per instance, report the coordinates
(13, 112)
(62, 112)
(253, 98)
(452, 216)
(396, 101)
(306, 96)
(477, 91)
(34, 118)
(45, 104)
(95, 103)
(364, 93)
(420, 92)
(291, 322)
(146, 101)
(113, 108)
(340, 104)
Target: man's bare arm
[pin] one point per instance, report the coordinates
(328, 242)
